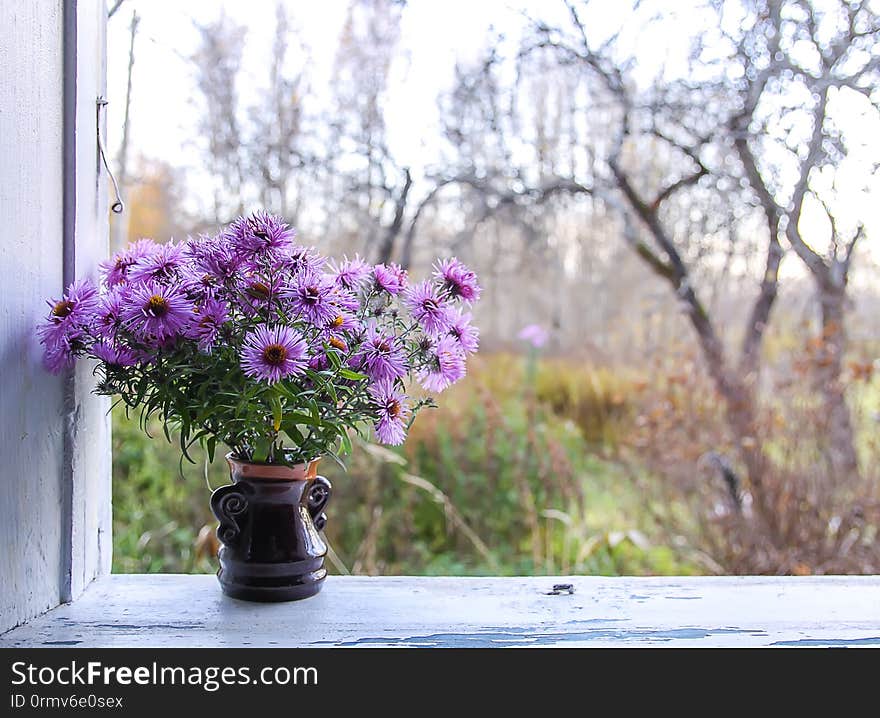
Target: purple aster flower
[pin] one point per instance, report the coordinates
(259, 235)
(272, 353)
(446, 364)
(108, 315)
(389, 278)
(344, 300)
(311, 296)
(428, 308)
(196, 248)
(114, 354)
(157, 312)
(319, 361)
(381, 356)
(71, 315)
(456, 279)
(392, 410)
(198, 285)
(465, 333)
(211, 259)
(534, 334)
(115, 270)
(350, 274)
(161, 265)
(209, 318)
(342, 323)
(302, 260)
(256, 295)
(59, 356)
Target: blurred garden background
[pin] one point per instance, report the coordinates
(672, 208)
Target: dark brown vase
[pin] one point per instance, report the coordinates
(269, 518)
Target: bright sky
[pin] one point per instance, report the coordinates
(435, 33)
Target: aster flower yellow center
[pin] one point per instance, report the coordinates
(383, 347)
(338, 322)
(62, 309)
(338, 344)
(393, 408)
(157, 306)
(274, 355)
(259, 290)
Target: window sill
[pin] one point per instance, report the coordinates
(190, 611)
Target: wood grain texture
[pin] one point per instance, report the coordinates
(90, 466)
(31, 249)
(178, 611)
(55, 438)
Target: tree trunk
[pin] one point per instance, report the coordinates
(740, 410)
(840, 448)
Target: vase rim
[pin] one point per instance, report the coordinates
(272, 472)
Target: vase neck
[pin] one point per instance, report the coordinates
(271, 472)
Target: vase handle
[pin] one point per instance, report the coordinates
(228, 504)
(316, 499)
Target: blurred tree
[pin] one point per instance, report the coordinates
(669, 152)
(799, 68)
(120, 223)
(664, 145)
(368, 188)
(276, 154)
(154, 203)
(217, 62)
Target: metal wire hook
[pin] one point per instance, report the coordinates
(118, 207)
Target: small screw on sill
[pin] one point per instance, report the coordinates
(560, 589)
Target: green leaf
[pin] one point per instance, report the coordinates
(277, 411)
(294, 434)
(345, 443)
(333, 357)
(353, 375)
(300, 418)
(285, 391)
(337, 460)
(261, 449)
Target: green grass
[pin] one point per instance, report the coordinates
(496, 482)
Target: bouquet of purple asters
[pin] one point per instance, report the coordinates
(249, 339)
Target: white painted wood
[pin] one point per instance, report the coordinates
(31, 269)
(90, 465)
(54, 436)
(178, 611)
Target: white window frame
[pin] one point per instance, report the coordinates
(55, 499)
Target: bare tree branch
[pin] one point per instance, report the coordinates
(811, 258)
(850, 247)
(386, 249)
(112, 11)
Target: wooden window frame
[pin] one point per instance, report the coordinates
(55, 496)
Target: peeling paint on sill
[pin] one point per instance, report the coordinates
(512, 637)
(830, 642)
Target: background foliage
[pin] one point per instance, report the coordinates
(591, 471)
(681, 194)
